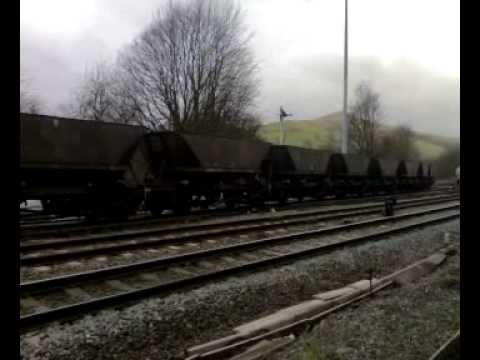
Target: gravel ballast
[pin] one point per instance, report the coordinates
(162, 328)
(410, 321)
(145, 251)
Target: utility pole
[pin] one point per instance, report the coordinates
(345, 86)
(283, 115)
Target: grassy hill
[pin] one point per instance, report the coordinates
(321, 132)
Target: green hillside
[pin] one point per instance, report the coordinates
(321, 132)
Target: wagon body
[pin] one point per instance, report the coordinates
(77, 165)
(58, 143)
(389, 167)
(293, 160)
(184, 153)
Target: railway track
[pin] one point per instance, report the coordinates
(35, 252)
(450, 350)
(71, 295)
(39, 220)
(77, 228)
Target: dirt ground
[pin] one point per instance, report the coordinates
(407, 322)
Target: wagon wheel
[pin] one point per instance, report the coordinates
(257, 200)
(182, 203)
(282, 197)
(93, 214)
(340, 194)
(156, 210)
(48, 206)
(323, 191)
(156, 202)
(361, 192)
(210, 198)
(154, 206)
(230, 204)
(204, 205)
(120, 203)
(182, 208)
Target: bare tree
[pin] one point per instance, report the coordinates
(28, 101)
(364, 119)
(192, 70)
(399, 143)
(94, 99)
(104, 96)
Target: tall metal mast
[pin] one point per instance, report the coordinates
(345, 86)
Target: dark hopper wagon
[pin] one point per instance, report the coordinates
(102, 169)
(195, 169)
(76, 165)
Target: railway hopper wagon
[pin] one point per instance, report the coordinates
(293, 171)
(428, 179)
(357, 175)
(97, 169)
(389, 169)
(300, 172)
(187, 170)
(411, 176)
(78, 167)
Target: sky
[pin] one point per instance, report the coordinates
(409, 51)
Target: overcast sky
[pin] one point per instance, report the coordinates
(409, 50)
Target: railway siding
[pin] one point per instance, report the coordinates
(78, 228)
(293, 319)
(168, 278)
(410, 321)
(216, 235)
(164, 327)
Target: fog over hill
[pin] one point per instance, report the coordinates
(320, 132)
(409, 94)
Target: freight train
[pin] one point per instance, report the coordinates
(97, 169)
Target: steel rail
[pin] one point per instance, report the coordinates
(49, 229)
(125, 297)
(191, 256)
(216, 229)
(56, 282)
(39, 243)
(449, 350)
